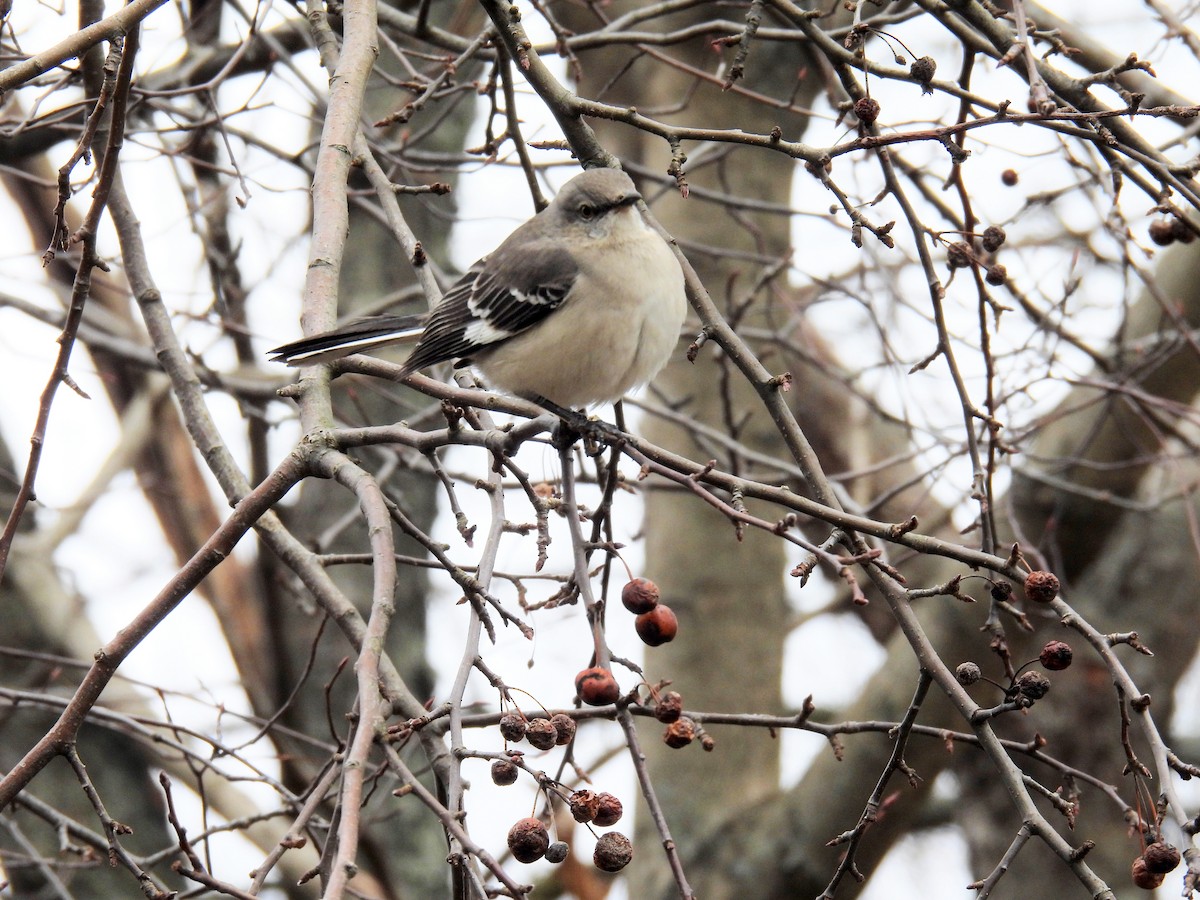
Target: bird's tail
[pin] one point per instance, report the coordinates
(356, 336)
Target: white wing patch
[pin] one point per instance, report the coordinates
(480, 333)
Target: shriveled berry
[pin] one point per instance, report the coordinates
(993, 238)
(680, 733)
(613, 852)
(1033, 685)
(597, 687)
(504, 772)
(640, 595)
(583, 805)
(1183, 233)
(669, 706)
(1162, 233)
(867, 110)
(1041, 587)
(541, 734)
(512, 726)
(996, 275)
(658, 626)
(1009, 177)
(1143, 877)
(557, 852)
(564, 728)
(968, 673)
(1001, 591)
(608, 810)
(923, 70)
(1160, 857)
(958, 255)
(528, 840)
(1056, 656)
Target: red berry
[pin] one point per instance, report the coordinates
(1160, 857)
(564, 728)
(528, 840)
(504, 772)
(680, 733)
(512, 726)
(583, 805)
(867, 110)
(1041, 587)
(657, 626)
(640, 595)
(597, 687)
(669, 706)
(1056, 656)
(608, 810)
(1143, 877)
(1009, 177)
(613, 852)
(541, 734)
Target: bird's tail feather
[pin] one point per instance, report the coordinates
(356, 336)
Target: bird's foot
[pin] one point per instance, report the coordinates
(573, 424)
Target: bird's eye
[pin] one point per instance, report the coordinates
(587, 212)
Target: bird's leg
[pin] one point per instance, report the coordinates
(573, 423)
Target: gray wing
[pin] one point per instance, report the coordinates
(499, 297)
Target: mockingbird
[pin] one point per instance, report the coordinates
(579, 305)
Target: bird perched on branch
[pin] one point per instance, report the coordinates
(579, 305)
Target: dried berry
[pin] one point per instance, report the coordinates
(923, 70)
(680, 733)
(640, 595)
(512, 726)
(557, 852)
(528, 840)
(583, 805)
(668, 707)
(996, 275)
(967, 673)
(1161, 232)
(658, 626)
(564, 727)
(1033, 685)
(597, 687)
(1001, 591)
(608, 810)
(504, 772)
(541, 733)
(1160, 857)
(1183, 233)
(1056, 656)
(1009, 177)
(613, 852)
(867, 110)
(993, 238)
(1143, 877)
(1041, 587)
(958, 255)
